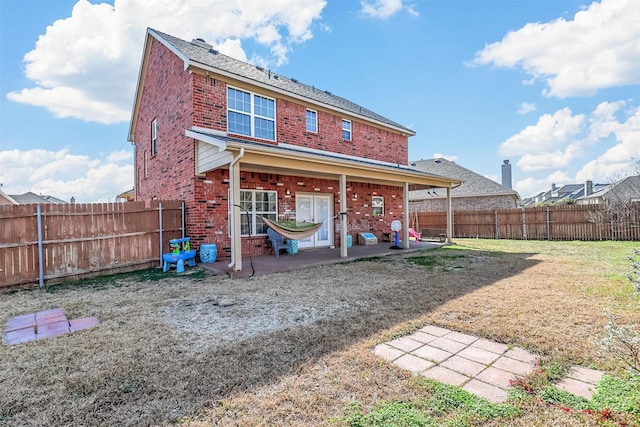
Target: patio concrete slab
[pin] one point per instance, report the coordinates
(478, 365)
(307, 258)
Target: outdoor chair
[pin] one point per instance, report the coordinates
(278, 242)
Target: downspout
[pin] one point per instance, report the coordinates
(232, 204)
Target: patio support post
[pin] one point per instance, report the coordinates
(405, 208)
(236, 236)
(449, 216)
(343, 217)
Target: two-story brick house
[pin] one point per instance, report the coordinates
(238, 142)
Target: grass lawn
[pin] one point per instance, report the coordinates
(295, 348)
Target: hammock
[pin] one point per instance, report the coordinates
(293, 230)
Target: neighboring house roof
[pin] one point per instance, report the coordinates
(473, 184)
(202, 55)
(625, 189)
(566, 192)
(32, 198)
(127, 195)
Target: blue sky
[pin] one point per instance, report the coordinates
(551, 85)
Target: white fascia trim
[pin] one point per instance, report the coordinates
(185, 58)
(209, 139)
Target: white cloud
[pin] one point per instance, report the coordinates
(64, 175)
(617, 160)
(610, 129)
(383, 9)
(450, 157)
(530, 186)
(85, 66)
(547, 135)
(597, 49)
(526, 107)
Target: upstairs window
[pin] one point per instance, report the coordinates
(251, 114)
(312, 121)
(346, 130)
(154, 137)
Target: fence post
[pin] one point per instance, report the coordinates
(160, 228)
(548, 224)
(524, 223)
(613, 230)
(40, 255)
(497, 231)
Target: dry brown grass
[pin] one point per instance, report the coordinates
(295, 348)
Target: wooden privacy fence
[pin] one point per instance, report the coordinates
(569, 222)
(54, 242)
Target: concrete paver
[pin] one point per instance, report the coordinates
(44, 324)
(446, 376)
(432, 353)
(413, 363)
(480, 366)
(464, 366)
(387, 352)
(576, 387)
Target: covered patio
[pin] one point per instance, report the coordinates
(215, 150)
(268, 264)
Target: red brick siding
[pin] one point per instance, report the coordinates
(208, 217)
(210, 101)
(179, 99)
(171, 171)
(366, 140)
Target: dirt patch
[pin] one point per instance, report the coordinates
(284, 349)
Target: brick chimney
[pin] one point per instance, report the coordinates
(506, 174)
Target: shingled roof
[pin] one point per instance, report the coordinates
(473, 184)
(203, 55)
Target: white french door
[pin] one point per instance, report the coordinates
(315, 208)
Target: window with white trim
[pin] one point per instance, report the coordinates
(256, 204)
(251, 114)
(154, 137)
(312, 121)
(346, 129)
(377, 205)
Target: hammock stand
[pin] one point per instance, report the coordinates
(296, 230)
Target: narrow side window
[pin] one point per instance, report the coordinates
(154, 137)
(312, 121)
(346, 130)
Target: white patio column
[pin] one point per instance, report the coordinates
(343, 218)
(405, 208)
(449, 216)
(236, 233)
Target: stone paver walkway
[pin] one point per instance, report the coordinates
(43, 324)
(479, 366)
